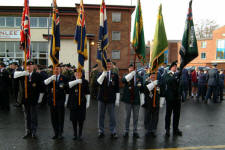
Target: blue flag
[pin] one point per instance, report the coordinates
(80, 37)
(55, 39)
(103, 37)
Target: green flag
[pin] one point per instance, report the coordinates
(189, 48)
(138, 35)
(160, 43)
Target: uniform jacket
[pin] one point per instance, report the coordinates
(221, 76)
(74, 95)
(149, 98)
(202, 79)
(172, 87)
(107, 91)
(131, 90)
(213, 77)
(61, 89)
(4, 80)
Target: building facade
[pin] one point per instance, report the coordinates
(119, 28)
(210, 50)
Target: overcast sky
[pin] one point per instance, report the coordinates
(174, 12)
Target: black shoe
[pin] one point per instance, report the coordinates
(114, 136)
(80, 138)
(55, 137)
(27, 135)
(153, 134)
(177, 132)
(101, 135)
(34, 136)
(60, 137)
(126, 134)
(136, 135)
(167, 133)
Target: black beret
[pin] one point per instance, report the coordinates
(131, 65)
(108, 60)
(173, 64)
(214, 64)
(30, 63)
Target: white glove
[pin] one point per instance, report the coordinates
(150, 86)
(142, 99)
(162, 101)
(75, 82)
(155, 82)
(40, 98)
(66, 100)
(88, 100)
(130, 76)
(18, 74)
(50, 79)
(117, 99)
(102, 77)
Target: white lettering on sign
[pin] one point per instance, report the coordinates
(9, 34)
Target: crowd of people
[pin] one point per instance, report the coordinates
(68, 88)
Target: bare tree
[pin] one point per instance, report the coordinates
(204, 28)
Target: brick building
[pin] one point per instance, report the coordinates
(119, 28)
(210, 50)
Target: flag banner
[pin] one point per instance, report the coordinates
(103, 40)
(138, 41)
(55, 39)
(160, 43)
(80, 37)
(25, 30)
(189, 48)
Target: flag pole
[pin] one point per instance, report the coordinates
(154, 105)
(54, 86)
(25, 68)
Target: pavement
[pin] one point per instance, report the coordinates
(203, 127)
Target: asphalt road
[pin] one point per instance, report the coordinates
(202, 125)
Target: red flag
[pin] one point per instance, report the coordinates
(25, 29)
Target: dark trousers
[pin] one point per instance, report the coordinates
(30, 116)
(4, 102)
(189, 88)
(151, 119)
(212, 90)
(202, 91)
(57, 119)
(172, 107)
(221, 93)
(79, 123)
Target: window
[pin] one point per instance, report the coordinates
(9, 21)
(18, 21)
(220, 50)
(203, 55)
(11, 50)
(203, 44)
(116, 17)
(115, 35)
(33, 22)
(2, 21)
(43, 22)
(115, 54)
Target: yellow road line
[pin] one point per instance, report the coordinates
(191, 148)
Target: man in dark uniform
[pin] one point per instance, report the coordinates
(57, 110)
(221, 84)
(151, 113)
(78, 111)
(93, 84)
(108, 96)
(202, 85)
(34, 96)
(173, 101)
(4, 88)
(133, 97)
(213, 83)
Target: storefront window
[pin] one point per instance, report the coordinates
(220, 51)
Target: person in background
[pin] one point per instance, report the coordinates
(221, 84)
(202, 85)
(184, 85)
(194, 83)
